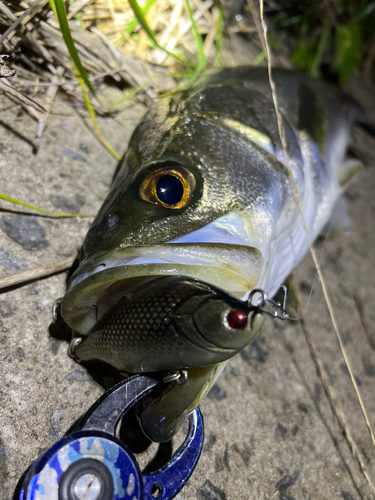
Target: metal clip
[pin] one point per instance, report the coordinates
(259, 299)
(180, 377)
(72, 348)
(55, 308)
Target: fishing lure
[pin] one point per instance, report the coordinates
(171, 323)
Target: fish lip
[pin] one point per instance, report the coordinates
(233, 268)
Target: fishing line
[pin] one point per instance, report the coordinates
(312, 251)
(315, 277)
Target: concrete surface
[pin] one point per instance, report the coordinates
(269, 429)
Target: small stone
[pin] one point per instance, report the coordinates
(210, 442)
(210, 492)
(7, 259)
(303, 407)
(217, 393)
(64, 204)
(226, 457)
(281, 430)
(245, 453)
(287, 481)
(39, 306)
(218, 463)
(257, 353)
(84, 148)
(245, 356)
(78, 374)
(5, 309)
(25, 231)
(368, 367)
(346, 495)
(72, 155)
(54, 434)
(19, 353)
(294, 430)
(55, 345)
(57, 418)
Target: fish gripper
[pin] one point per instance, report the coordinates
(91, 463)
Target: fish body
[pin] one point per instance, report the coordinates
(204, 192)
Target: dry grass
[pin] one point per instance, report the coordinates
(109, 41)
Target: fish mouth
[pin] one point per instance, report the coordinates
(101, 281)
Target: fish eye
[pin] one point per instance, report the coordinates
(168, 186)
(236, 319)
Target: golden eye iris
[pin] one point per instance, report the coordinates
(169, 186)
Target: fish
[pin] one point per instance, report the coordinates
(204, 192)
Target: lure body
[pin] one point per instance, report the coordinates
(171, 323)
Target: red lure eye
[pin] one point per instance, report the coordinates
(237, 319)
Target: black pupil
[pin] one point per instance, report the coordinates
(169, 189)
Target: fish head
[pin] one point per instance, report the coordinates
(193, 196)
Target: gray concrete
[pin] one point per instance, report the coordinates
(269, 429)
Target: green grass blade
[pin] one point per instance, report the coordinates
(94, 122)
(348, 49)
(366, 12)
(58, 8)
(134, 23)
(259, 58)
(202, 61)
(126, 97)
(78, 18)
(219, 37)
(45, 212)
(320, 51)
(142, 21)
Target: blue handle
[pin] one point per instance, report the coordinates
(95, 454)
(169, 480)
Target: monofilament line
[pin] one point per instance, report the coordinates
(297, 200)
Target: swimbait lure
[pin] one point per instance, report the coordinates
(171, 323)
